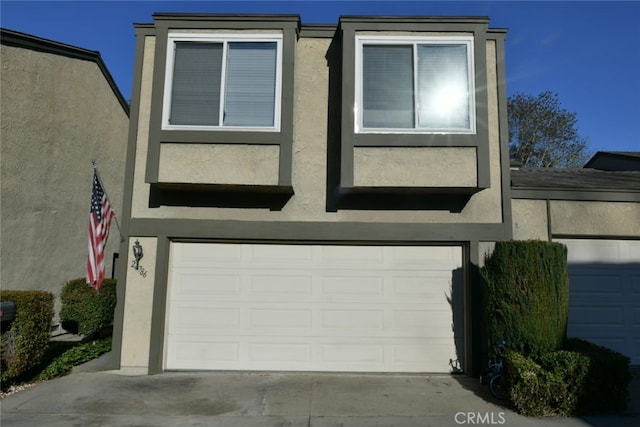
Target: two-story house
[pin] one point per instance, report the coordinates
(312, 197)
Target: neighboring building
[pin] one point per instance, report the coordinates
(615, 161)
(60, 110)
(597, 215)
(301, 208)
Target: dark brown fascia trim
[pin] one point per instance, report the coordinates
(319, 232)
(319, 31)
(503, 131)
(208, 20)
(143, 26)
(187, 16)
(414, 19)
(594, 236)
(159, 306)
(28, 41)
(575, 194)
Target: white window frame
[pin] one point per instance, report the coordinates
(225, 39)
(413, 41)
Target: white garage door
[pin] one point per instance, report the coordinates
(312, 308)
(604, 303)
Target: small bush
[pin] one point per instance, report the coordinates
(568, 375)
(86, 311)
(607, 385)
(25, 343)
(587, 380)
(527, 295)
(529, 385)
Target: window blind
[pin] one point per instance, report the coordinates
(387, 86)
(250, 84)
(195, 97)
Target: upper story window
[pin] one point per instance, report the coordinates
(223, 82)
(414, 84)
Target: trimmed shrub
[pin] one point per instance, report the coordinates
(587, 380)
(551, 386)
(24, 344)
(527, 295)
(607, 385)
(84, 310)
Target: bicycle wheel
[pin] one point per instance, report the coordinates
(498, 387)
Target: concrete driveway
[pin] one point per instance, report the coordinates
(268, 399)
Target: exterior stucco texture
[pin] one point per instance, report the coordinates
(58, 114)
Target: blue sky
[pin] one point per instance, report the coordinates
(587, 52)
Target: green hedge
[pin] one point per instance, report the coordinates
(607, 385)
(24, 344)
(84, 310)
(527, 295)
(587, 380)
(551, 386)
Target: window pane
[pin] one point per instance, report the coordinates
(443, 87)
(195, 97)
(251, 84)
(387, 86)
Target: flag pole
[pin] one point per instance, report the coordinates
(95, 170)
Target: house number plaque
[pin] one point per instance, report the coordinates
(138, 253)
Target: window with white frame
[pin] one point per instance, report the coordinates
(414, 84)
(223, 81)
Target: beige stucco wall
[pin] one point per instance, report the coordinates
(602, 219)
(219, 163)
(138, 299)
(57, 114)
(415, 167)
(310, 155)
(529, 219)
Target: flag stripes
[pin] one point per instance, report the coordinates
(100, 216)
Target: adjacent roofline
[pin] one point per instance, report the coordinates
(575, 184)
(575, 194)
(616, 154)
(28, 41)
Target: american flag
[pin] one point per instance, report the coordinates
(100, 218)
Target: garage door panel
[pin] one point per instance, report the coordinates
(597, 316)
(206, 318)
(202, 254)
(279, 254)
(605, 293)
(272, 284)
(359, 355)
(365, 286)
(203, 283)
(317, 308)
(593, 281)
